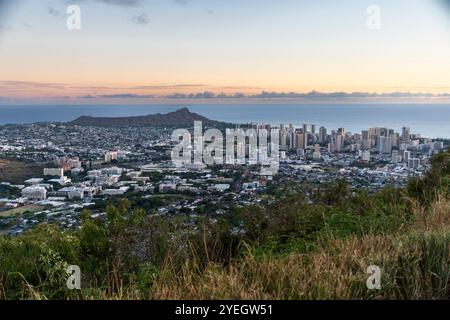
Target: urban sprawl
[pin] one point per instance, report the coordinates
(85, 167)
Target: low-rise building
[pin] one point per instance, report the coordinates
(34, 193)
(57, 172)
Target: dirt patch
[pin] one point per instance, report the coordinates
(17, 171)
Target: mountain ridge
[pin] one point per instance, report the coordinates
(181, 117)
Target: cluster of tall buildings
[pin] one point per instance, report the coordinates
(381, 140)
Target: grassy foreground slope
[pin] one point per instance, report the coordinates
(315, 243)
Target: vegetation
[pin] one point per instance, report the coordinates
(21, 210)
(313, 244)
(7, 191)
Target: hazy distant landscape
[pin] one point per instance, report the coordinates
(430, 119)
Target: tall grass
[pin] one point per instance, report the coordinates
(415, 264)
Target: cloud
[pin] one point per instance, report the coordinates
(172, 86)
(126, 96)
(29, 84)
(312, 95)
(239, 88)
(206, 95)
(54, 12)
(141, 19)
(7, 84)
(23, 25)
(178, 91)
(124, 3)
(132, 3)
(5, 27)
(120, 3)
(180, 2)
(61, 98)
(26, 25)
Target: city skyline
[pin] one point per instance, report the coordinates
(177, 51)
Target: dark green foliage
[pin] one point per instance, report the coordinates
(435, 182)
(37, 260)
(9, 192)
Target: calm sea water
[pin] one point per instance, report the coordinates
(429, 120)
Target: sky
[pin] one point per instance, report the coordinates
(142, 51)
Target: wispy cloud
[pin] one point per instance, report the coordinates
(170, 86)
(308, 96)
(141, 19)
(120, 3)
(180, 2)
(54, 12)
(26, 25)
(50, 85)
(179, 92)
(124, 3)
(126, 96)
(5, 27)
(29, 84)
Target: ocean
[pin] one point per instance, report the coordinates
(430, 120)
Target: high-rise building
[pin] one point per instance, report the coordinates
(406, 156)
(291, 137)
(394, 140)
(283, 139)
(300, 140)
(339, 143)
(322, 134)
(316, 154)
(413, 163)
(331, 148)
(402, 146)
(406, 134)
(395, 156)
(384, 144)
(365, 139)
(305, 128)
